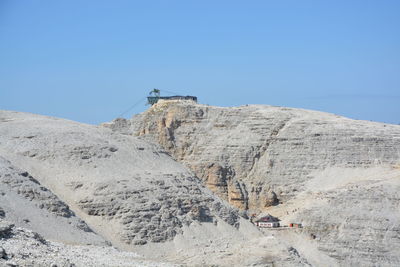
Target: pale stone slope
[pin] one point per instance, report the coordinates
(129, 191)
(353, 214)
(337, 176)
(249, 154)
(25, 202)
(23, 247)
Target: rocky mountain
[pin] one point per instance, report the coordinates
(178, 183)
(23, 247)
(27, 203)
(89, 187)
(337, 176)
(256, 156)
(107, 177)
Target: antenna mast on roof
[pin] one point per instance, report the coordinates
(155, 92)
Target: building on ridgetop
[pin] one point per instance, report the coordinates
(155, 96)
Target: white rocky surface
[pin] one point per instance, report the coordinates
(255, 156)
(129, 191)
(60, 178)
(351, 214)
(338, 177)
(22, 247)
(25, 202)
(73, 185)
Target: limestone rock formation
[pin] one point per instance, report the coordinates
(255, 156)
(338, 177)
(59, 178)
(25, 202)
(127, 186)
(351, 214)
(23, 247)
(129, 191)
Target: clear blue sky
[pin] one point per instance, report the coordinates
(91, 60)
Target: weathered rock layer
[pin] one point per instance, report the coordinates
(129, 191)
(256, 156)
(339, 177)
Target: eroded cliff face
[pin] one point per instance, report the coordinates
(75, 183)
(257, 156)
(129, 191)
(339, 177)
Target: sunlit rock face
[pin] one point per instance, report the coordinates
(339, 177)
(255, 156)
(128, 190)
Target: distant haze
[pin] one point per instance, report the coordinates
(91, 60)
